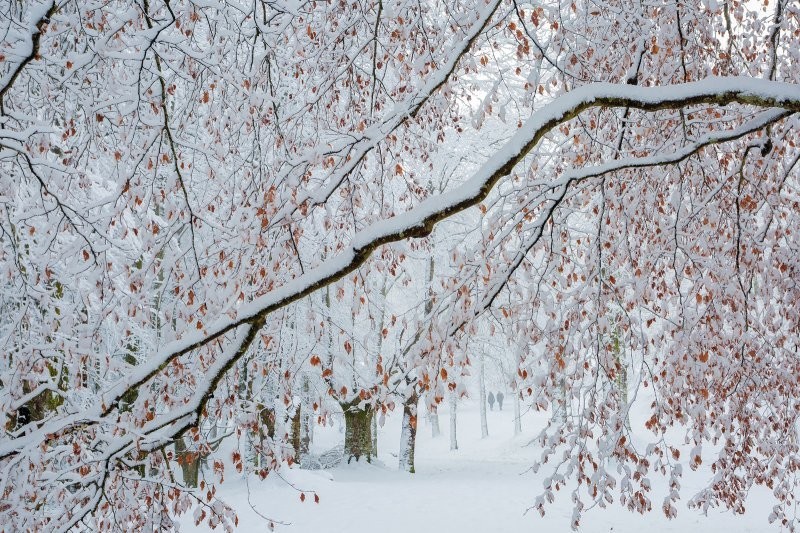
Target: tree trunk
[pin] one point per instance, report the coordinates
(296, 438)
(305, 437)
(482, 381)
(621, 381)
(517, 415)
(267, 419)
(453, 440)
(374, 436)
(305, 420)
(189, 462)
(434, 416)
(358, 432)
(408, 436)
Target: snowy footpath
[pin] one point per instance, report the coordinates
(484, 486)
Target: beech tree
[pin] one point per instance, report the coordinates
(183, 183)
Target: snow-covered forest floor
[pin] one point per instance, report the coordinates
(484, 486)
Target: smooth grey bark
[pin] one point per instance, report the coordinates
(408, 434)
(306, 420)
(517, 415)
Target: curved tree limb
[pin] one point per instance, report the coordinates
(419, 222)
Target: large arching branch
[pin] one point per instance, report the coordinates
(419, 222)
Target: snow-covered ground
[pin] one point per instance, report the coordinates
(484, 486)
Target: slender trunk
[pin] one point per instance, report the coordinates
(252, 441)
(453, 440)
(189, 462)
(517, 415)
(305, 420)
(267, 418)
(374, 430)
(621, 381)
(482, 380)
(408, 435)
(296, 439)
(358, 432)
(434, 416)
(311, 422)
(328, 323)
(305, 435)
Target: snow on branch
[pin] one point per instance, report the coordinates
(419, 221)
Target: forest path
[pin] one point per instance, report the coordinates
(484, 486)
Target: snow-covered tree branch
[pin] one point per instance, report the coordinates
(240, 218)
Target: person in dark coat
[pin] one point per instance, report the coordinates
(491, 401)
(500, 400)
